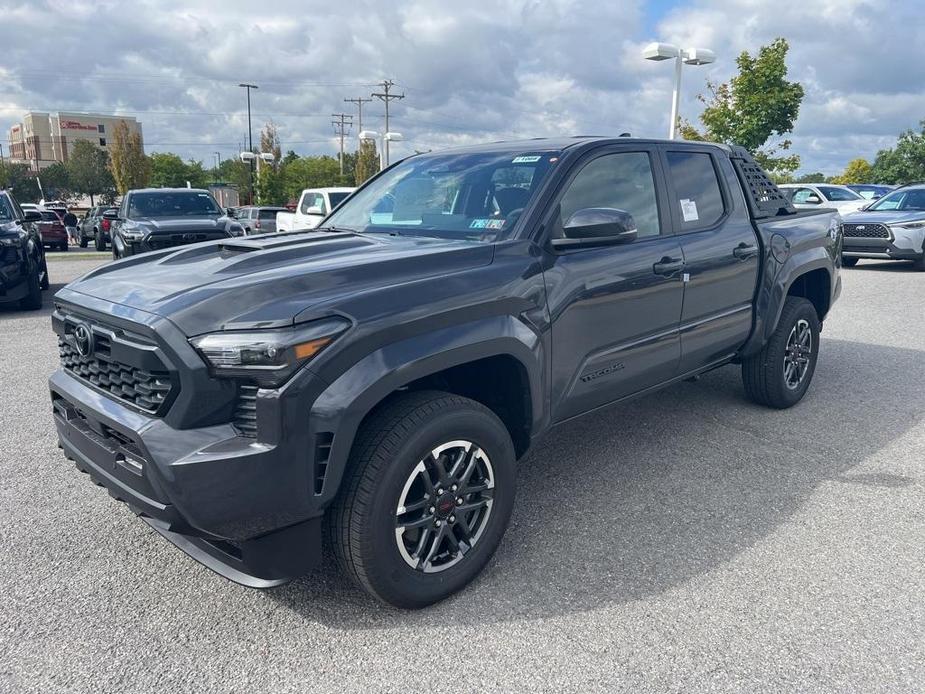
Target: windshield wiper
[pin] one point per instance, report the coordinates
(333, 229)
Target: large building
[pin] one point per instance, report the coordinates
(42, 139)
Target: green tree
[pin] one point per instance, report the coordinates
(127, 161)
(755, 105)
(904, 163)
(814, 177)
(20, 181)
(310, 172)
(56, 182)
(88, 170)
(858, 171)
(270, 189)
(367, 161)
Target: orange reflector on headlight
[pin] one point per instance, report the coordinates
(309, 349)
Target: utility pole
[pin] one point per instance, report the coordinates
(341, 127)
(359, 101)
(386, 97)
(250, 138)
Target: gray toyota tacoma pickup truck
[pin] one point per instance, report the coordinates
(373, 382)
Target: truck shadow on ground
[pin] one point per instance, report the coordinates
(646, 496)
(12, 310)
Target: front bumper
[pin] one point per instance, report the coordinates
(250, 508)
(903, 244)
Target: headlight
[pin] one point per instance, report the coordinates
(132, 235)
(268, 356)
(918, 224)
(12, 242)
(236, 230)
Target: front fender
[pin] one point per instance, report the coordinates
(341, 407)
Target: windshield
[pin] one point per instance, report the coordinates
(911, 200)
(838, 194)
(174, 204)
(6, 211)
(477, 196)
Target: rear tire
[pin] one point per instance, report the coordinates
(415, 557)
(84, 241)
(920, 263)
(849, 262)
(778, 376)
(63, 247)
(98, 242)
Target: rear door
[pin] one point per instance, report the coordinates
(614, 309)
(721, 253)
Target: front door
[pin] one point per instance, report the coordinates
(615, 310)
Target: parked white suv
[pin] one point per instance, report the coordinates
(314, 205)
(808, 196)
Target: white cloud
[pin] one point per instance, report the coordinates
(479, 70)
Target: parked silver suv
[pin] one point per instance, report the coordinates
(892, 228)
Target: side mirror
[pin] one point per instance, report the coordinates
(229, 211)
(31, 216)
(314, 209)
(813, 200)
(597, 226)
(110, 214)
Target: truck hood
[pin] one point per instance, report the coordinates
(273, 280)
(884, 217)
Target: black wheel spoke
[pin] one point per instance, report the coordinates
(425, 521)
(435, 546)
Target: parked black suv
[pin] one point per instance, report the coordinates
(23, 270)
(379, 376)
(152, 219)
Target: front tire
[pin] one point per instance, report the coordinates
(426, 499)
(849, 262)
(98, 242)
(84, 241)
(779, 375)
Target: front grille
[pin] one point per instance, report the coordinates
(158, 242)
(245, 411)
(866, 231)
(147, 390)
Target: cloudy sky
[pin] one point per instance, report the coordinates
(470, 71)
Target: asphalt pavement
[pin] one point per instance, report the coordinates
(686, 542)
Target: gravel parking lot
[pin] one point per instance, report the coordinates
(688, 541)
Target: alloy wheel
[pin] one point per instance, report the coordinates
(797, 354)
(444, 506)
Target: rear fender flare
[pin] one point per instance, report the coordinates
(771, 297)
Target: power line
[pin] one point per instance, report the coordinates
(386, 97)
(359, 101)
(341, 125)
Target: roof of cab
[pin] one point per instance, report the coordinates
(558, 144)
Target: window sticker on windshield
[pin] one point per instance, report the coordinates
(479, 223)
(495, 224)
(689, 210)
(525, 160)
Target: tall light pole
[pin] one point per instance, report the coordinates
(691, 56)
(372, 136)
(250, 138)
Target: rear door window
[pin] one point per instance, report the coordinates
(699, 199)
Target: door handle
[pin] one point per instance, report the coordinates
(743, 251)
(668, 266)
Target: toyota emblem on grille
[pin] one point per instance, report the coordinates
(860, 227)
(83, 339)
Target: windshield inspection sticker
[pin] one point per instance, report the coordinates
(525, 160)
(689, 210)
(479, 223)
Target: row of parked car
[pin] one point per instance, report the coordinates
(879, 222)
